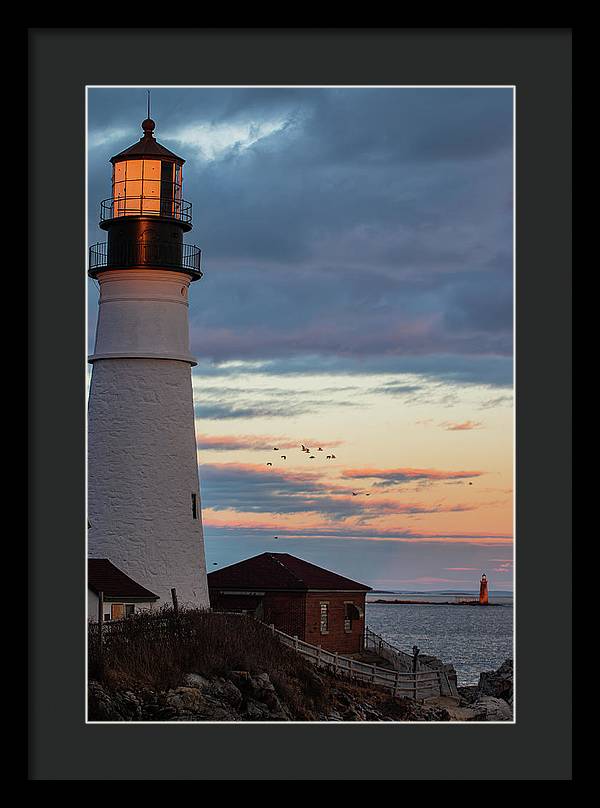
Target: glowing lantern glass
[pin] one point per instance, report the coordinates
(147, 186)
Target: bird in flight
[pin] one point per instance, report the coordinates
(328, 457)
(333, 457)
(269, 464)
(275, 448)
(319, 449)
(312, 457)
(367, 495)
(304, 449)
(215, 564)
(470, 483)
(355, 493)
(283, 457)
(275, 537)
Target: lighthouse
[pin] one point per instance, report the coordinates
(144, 511)
(483, 590)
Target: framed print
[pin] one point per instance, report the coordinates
(295, 395)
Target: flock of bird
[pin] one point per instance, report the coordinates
(304, 449)
(307, 450)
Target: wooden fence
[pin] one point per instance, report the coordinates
(420, 684)
(416, 685)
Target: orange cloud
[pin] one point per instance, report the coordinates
(315, 525)
(452, 426)
(402, 475)
(257, 442)
(461, 569)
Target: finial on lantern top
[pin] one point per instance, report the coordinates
(148, 125)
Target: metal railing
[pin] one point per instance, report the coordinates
(399, 659)
(402, 661)
(146, 253)
(116, 207)
(418, 685)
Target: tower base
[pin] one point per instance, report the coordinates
(143, 493)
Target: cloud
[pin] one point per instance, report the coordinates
(212, 140)
(256, 442)
(441, 369)
(359, 238)
(340, 227)
(461, 569)
(401, 476)
(290, 406)
(258, 488)
(102, 137)
(463, 426)
(243, 525)
(497, 401)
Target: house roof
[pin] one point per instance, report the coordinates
(104, 577)
(281, 571)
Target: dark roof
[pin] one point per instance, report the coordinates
(104, 577)
(147, 146)
(280, 571)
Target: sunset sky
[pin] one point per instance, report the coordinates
(357, 296)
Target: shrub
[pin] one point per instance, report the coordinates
(156, 649)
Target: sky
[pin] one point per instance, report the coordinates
(357, 250)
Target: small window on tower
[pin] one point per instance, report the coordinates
(194, 506)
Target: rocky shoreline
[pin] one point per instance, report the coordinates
(242, 696)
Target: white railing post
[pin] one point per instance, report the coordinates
(335, 662)
(272, 628)
(296, 641)
(396, 684)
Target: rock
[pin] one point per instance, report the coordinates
(498, 683)
(100, 705)
(184, 698)
(104, 705)
(261, 700)
(195, 680)
(257, 711)
(227, 692)
(240, 678)
(489, 708)
(469, 693)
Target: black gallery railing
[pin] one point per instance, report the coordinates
(166, 207)
(146, 253)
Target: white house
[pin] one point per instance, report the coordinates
(122, 596)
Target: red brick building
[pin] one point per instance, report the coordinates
(312, 603)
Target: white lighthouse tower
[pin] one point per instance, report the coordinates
(143, 490)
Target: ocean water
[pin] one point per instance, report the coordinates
(472, 638)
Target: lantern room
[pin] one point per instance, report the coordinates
(146, 216)
(147, 180)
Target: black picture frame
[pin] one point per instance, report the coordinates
(62, 62)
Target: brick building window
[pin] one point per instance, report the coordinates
(351, 613)
(324, 618)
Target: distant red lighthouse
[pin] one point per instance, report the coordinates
(483, 590)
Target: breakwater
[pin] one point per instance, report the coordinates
(436, 602)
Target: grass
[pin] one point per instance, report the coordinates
(155, 649)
